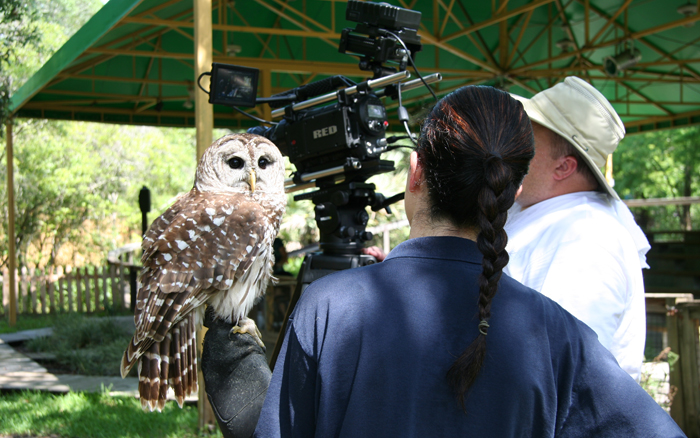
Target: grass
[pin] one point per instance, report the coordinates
(95, 415)
(90, 345)
(27, 322)
(31, 322)
(85, 345)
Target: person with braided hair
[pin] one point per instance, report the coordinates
(436, 341)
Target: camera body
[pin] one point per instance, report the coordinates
(326, 137)
(353, 128)
(337, 146)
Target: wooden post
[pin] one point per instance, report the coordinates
(42, 289)
(5, 292)
(50, 289)
(675, 378)
(266, 90)
(32, 291)
(61, 299)
(122, 282)
(69, 288)
(79, 290)
(96, 284)
(105, 299)
(683, 340)
(113, 286)
(204, 122)
(203, 111)
(86, 279)
(23, 291)
(11, 250)
(689, 360)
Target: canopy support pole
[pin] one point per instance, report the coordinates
(204, 124)
(12, 250)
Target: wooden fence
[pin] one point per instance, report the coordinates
(60, 290)
(683, 326)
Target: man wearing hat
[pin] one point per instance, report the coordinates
(569, 235)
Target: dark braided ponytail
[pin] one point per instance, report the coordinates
(475, 146)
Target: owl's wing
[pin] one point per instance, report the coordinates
(202, 244)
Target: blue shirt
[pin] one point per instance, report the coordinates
(367, 351)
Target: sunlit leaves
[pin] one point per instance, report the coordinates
(662, 164)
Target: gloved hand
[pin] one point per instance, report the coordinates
(236, 377)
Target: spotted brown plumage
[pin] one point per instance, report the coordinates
(213, 246)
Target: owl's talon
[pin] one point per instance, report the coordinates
(247, 325)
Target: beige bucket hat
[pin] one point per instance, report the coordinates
(582, 115)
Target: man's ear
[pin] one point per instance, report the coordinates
(415, 173)
(520, 190)
(566, 166)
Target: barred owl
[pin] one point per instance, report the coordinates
(213, 246)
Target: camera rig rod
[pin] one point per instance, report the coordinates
(372, 83)
(415, 83)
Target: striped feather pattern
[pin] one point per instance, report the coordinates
(210, 247)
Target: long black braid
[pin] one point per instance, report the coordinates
(475, 147)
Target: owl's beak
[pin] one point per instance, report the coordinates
(251, 180)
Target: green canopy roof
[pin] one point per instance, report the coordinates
(132, 63)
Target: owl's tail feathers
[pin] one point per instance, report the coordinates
(169, 363)
(131, 355)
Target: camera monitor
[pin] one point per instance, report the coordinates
(233, 85)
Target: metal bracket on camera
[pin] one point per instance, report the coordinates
(412, 84)
(308, 180)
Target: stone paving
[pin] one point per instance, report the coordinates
(18, 371)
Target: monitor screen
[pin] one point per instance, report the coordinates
(233, 85)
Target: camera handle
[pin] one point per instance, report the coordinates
(370, 84)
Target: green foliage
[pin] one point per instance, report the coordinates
(91, 415)
(86, 345)
(31, 32)
(79, 183)
(662, 164)
(17, 30)
(293, 265)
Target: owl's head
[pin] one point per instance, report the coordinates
(241, 163)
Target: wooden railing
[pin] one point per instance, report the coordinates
(59, 290)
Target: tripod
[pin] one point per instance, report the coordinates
(341, 218)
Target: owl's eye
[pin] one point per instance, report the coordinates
(263, 162)
(236, 163)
